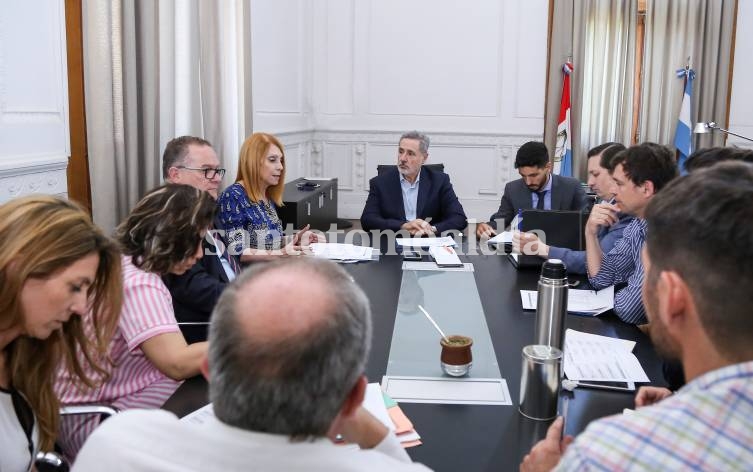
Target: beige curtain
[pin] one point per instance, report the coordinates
(153, 71)
(600, 35)
(676, 30)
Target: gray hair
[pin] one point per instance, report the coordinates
(423, 140)
(297, 385)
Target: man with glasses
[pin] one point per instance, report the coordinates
(191, 161)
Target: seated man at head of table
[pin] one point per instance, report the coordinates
(698, 257)
(413, 197)
(285, 377)
(192, 161)
(536, 188)
(600, 181)
(639, 172)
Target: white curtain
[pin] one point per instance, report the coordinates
(600, 37)
(154, 71)
(701, 30)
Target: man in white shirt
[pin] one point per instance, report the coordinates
(288, 345)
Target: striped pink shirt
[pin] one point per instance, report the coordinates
(134, 381)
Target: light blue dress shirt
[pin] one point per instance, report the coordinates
(547, 196)
(410, 196)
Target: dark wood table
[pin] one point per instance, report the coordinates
(471, 437)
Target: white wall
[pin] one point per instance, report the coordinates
(354, 74)
(741, 104)
(34, 136)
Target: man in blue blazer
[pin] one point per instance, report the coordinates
(191, 161)
(537, 188)
(413, 197)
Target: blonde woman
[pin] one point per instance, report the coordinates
(55, 266)
(248, 208)
(150, 357)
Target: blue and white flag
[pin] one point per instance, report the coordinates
(683, 135)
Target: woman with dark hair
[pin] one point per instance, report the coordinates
(149, 355)
(248, 208)
(55, 266)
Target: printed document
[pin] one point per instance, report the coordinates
(601, 358)
(587, 302)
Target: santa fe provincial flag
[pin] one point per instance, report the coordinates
(563, 152)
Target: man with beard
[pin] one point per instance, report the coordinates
(537, 188)
(697, 258)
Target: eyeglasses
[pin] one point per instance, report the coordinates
(209, 173)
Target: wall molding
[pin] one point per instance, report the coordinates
(26, 175)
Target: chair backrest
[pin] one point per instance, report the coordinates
(382, 168)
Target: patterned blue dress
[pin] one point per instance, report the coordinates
(249, 224)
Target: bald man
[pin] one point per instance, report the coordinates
(288, 345)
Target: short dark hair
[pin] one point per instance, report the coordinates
(532, 154)
(607, 156)
(297, 384)
(647, 162)
(713, 250)
(709, 156)
(176, 150)
(600, 148)
(166, 227)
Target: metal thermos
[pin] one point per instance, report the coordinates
(540, 382)
(551, 307)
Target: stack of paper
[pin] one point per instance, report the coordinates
(391, 415)
(601, 358)
(505, 237)
(445, 256)
(426, 242)
(582, 302)
(341, 251)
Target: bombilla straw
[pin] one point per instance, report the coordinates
(433, 322)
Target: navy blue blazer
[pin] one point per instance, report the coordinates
(196, 291)
(567, 194)
(384, 208)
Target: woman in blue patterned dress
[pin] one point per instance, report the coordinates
(248, 208)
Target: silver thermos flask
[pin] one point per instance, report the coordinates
(551, 307)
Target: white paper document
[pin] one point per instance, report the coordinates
(462, 391)
(341, 251)
(502, 238)
(588, 302)
(601, 358)
(445, 256)
(426, 242)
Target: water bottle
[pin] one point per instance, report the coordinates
(551, 305)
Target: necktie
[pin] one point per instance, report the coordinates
(540, 203)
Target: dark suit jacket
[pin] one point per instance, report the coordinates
(436, 200)
(196, 291)
(567, 194)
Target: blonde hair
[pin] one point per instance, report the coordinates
(250, 161)
(39, 237)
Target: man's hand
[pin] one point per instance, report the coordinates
(545, 455)
(529, 243)
(602, 214)
(484, 230)
(363, 428)
(417, 227)
(649, 395)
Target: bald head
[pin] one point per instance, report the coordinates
(288, 341)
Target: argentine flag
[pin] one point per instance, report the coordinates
(563, 152)
(684, 126)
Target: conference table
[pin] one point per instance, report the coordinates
(476, 437)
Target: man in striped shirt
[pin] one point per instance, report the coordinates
(639, 172)
(697, 293)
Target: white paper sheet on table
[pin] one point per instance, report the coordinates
(589, 302)
(341, 251)
(601, 358)
(425, 242)
(501, 238)
(460, 391)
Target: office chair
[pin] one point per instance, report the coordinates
(382, 168)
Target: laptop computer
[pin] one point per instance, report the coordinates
(561, 229)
